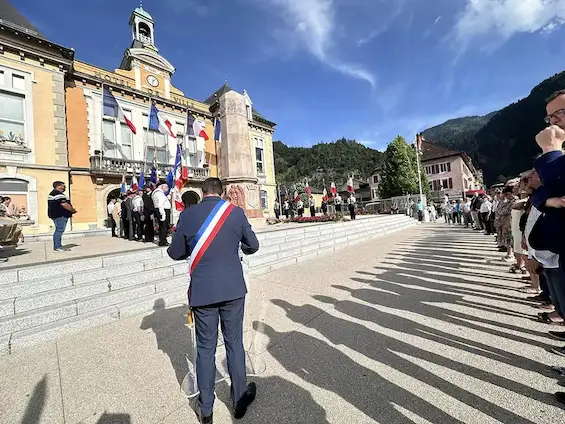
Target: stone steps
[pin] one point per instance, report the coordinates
(42, 302)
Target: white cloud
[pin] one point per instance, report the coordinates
(506, 18)
(313, 22)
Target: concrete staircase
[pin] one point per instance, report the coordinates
(43, 302)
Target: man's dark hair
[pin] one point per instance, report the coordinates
(554, 96)
(212, 186)
(7, 198)
(508, 189)
(58, 183)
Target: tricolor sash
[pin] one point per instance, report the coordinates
(208, 232)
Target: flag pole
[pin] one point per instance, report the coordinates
(101, 124)
(418, 166)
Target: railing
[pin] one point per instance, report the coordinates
(111, 166)
(144, 39)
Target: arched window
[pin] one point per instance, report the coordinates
(144, 33)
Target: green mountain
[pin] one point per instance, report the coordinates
(504, 145)
(325, 162)
(458, 133)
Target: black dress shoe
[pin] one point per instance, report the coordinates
(560, 396)
(240, 407)
(559, 335)
(206, 420)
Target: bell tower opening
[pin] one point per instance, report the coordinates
(142, 27)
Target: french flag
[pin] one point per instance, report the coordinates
(333, 190)
(325, 195)
(296, 196)
(112, 108)
(181, 177)
(217, 130)
(307, 189)
(195, 128)
(350, 186)
(159, 122)
(134, 183)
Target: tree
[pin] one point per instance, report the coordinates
(399, 176)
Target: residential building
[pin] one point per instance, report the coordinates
(449, 171)
(103, 149)
(33, 136)
(374, 181)
(362, 189)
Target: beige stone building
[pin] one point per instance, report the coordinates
(54, 125)
(33, 137)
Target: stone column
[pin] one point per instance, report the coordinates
(236, 156)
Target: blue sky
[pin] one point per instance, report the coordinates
(323, 69)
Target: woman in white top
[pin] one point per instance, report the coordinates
(520, 254)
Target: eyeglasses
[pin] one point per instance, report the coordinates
(557, 114)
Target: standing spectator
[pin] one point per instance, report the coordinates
(312, 206)
(476, 211)
(351, 203)
(457, 212)
(129, 214)
(137, 211)
(324, 206)
(59, 209)
(111, 206)
(420, 210)
(116, 212)
(300, 208)
(485, 211)
(467, 217)
(286, 208)
(504, 222)
(163, 209)
(338, 201)
(448, 212)
(277, 209)
(148, 215)
(518, 210)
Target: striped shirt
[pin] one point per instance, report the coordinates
(54, 205)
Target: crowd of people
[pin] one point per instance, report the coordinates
(527, 220)
(291, 208)
(137, 214)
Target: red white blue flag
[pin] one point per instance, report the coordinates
(195, 128)
(159, 122)
(112, 108)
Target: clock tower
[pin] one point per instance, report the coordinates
(152, 71)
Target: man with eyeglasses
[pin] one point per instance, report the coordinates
(549, 231)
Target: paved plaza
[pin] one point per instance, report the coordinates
(421, 326)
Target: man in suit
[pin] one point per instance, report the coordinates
(148, 214)
(129, 214)
(217, 292)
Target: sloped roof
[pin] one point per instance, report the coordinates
(10, 14)
(434, 151)
(218, 93)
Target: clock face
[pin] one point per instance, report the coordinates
(153, 82)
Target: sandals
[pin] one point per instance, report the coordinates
(546, 319)
(515, 269)
(529, 290)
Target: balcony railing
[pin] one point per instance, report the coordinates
(117, 167)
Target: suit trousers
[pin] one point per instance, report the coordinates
(149, 229)
(230, 316)
(164, 228)
(138, 226)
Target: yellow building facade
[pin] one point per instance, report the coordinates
(102, 149)
(56, 127)
(33, 139)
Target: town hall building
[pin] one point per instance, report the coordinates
(98, 149)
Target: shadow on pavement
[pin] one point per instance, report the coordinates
(36, 403)
(172, 334)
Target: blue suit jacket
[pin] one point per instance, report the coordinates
(549, 231)
(218, 277)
